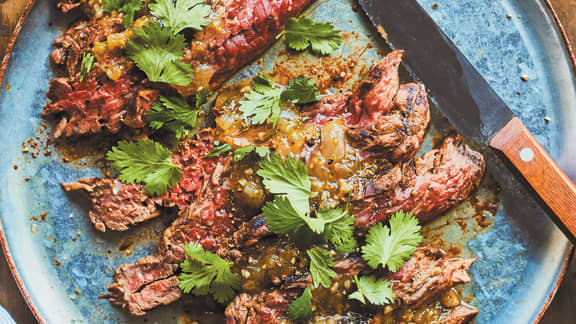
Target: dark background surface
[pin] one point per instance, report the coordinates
(561, 311)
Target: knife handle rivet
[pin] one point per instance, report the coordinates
(526, 154)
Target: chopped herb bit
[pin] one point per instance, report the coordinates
(207, 273)
(173, 114)
(86, 65)
(157, 52)
(218, 149)
(376, 291)
(241, 153)
(301, 308)
(181, 14)
(147, 162)
(301, 91)
(302, 33)
(321, 264)
(392, 246)
(128, 7)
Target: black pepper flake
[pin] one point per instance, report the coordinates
(330, 161)
(15, 167)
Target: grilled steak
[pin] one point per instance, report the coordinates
(240, 32)
(267, 307)
(460, 315)
(97, 104)
(144, 285)
(80, 38)
(385, 120)
(426, 186)
(427, 274)
(115, 206)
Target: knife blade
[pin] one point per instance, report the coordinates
(471, 104)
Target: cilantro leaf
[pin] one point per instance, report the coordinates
(263, 103)
(304, 32)
(128, 7)
(202, 97)
(301, 308)
(301, 91)
(241, 153)
(376, 291)
(339, 228)
(181, 14)
(320, 267)
(287, 177)
(283, 218)
(173, 114)
(392, 246)
(86, 65)
(145, 161)
(217, 150)
(157, 52)
(207, 273)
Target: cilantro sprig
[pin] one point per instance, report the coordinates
(304, 32)
(392, 246)
(265, 101)
(321, 264)
(86, 65)
(173, 114)
(219, 149)
(300, 310)
(241, 153)
(128, 7)
(373, 290)
(145, 161)
(156, 50)
(181, 14)
(339, 229)
(207, 274)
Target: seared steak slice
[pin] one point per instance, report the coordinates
(383, 119)
(426, 186)
(197, 170)
(427, 274)
(207, 221)
(144, 285)
(398, 134)
(267, 307)
(80, 38)
(460, 315)
(248, 234)
(97, 104)
(115, 206)
(240, 32)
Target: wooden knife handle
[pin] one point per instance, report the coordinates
(554, 187)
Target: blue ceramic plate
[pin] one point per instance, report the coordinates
(521, 253)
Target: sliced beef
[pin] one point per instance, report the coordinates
(461, 314)
(427, 274)
(144, 285)
(208, 221)
(70, 47)
(240, 32)
(397, 135)
(197, 171)
(266, 307)
(96, 104)
(426, 186)
(115, 206)
(248, 234)
(383, 119)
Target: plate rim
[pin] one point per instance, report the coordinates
(16, 275)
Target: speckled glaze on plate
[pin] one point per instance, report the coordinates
(521, 253)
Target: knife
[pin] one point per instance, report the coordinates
(470, 103)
